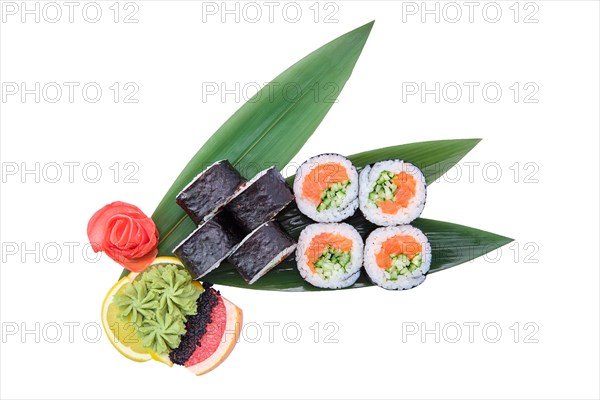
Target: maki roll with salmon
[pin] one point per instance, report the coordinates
(208, 245)
(392, 192)
(330, 255)
(326, 188)
(260, 199)
(210, 191)
(397, 257)
(261, 251)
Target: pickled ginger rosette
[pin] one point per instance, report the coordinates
(125, 234)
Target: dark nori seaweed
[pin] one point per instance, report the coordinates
(196, 326)
(210, 191)
(261, 201)
(208, 244)
(260, 249)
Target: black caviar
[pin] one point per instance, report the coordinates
(196, 325)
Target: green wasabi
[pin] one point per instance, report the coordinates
(158, 303)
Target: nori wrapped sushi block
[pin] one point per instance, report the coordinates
(262, 250)
(210, 191)
(208, 245)
(260, 199)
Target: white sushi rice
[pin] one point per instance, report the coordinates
(273, 263)
(338, 279)
(332, 214)
(377, 274)
(368, 180)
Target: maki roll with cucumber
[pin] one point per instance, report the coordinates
(260, 199)
(261, 251)
(392, 192)
(330, 255)
(397, 257)
(210, 191)
(326, 188)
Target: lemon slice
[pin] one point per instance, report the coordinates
(122, 334)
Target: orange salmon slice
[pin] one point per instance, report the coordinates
(321, 241)
(396, 245)
(320, 179)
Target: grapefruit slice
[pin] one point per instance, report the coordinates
(220, 338)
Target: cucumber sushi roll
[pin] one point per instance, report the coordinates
(260, 199)
(397, 257)
(261, 251)
(392, 192)
(208, 245)
(326, 188)
(210, 191)
(330, 255)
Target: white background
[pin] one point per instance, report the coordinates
(548, 278)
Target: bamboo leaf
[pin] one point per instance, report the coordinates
(451, 245)
(434, 158)
(271, 127)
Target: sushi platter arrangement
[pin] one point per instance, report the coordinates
(338, 223)
(236, 222)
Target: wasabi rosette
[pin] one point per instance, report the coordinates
(162, 314)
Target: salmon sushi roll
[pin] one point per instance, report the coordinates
(392, 192)
(326, 188)
(329, 255)
(397, 257)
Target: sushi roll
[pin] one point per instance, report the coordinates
(208, 245)
(329, 255)
(397, 257)
(261, 250)
(326, 188)
(392, 192)
(260, 199)
(210, 191)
